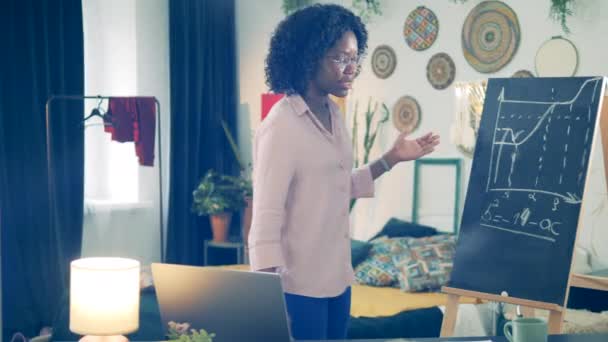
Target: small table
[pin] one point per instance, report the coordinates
(224, 249)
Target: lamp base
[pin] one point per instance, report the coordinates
(96, 338)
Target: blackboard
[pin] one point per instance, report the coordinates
(526, 185)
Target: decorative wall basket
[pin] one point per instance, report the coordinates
(384, 61)
(522, 74)
(557, 57)
(406, 114)
(440, 71)
(421, 28)
(490, 36)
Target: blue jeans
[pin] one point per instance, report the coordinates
(313, 318)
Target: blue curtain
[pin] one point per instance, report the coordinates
(40, 209)
(203, 91)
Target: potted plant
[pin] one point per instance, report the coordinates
(245, 176)
(560, 11)
(218, 196)
(181, 332)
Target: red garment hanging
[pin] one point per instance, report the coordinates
(133, 119)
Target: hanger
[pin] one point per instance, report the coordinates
(97, 111)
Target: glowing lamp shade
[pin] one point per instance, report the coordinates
(104, 298)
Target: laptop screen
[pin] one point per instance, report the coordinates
(234, 305)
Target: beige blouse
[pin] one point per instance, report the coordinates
(302, 185)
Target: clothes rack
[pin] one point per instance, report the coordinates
(160, 164)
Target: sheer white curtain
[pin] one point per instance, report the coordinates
(126, 54)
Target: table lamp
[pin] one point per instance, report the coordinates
(104, 298)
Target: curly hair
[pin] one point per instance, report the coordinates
(302, 39)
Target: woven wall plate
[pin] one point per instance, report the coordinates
(440, 71)
(522, 74)
(406, 114)
(421, 28)
(384, 61)
(490, 36)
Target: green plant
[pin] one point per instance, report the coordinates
(217, 193)
(369, 137)
(233, 147)
(181, 332)
(560, 11)
(366, 9)
(290, 6)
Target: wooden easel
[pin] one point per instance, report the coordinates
(556, 312)
(582, 280)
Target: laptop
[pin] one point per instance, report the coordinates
(235, 305)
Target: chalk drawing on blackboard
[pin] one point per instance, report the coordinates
(534, 130)
(525, 197)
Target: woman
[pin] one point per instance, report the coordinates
(303, 180)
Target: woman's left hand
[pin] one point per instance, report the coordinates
(405, 149)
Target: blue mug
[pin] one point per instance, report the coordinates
(526, 329)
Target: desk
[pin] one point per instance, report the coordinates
(552, 338)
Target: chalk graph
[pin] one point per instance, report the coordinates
(538, 159)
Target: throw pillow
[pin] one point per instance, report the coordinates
(378, 268)
(359, 250)
(399, 228)
(382, 245)
(426, 264)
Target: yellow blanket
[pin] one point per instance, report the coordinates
(371, 301)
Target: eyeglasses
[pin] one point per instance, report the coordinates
(342, 61)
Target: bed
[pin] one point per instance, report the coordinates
(374, 301)
(370, 301)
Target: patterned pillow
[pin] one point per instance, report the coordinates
(378, 269)
(426, 263)
(381, 245)
(359, 250)
(435, 239)
(400, 245)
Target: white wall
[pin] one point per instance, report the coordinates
(126, 54)
(394, 191)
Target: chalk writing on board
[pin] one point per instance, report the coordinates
(538, 133)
